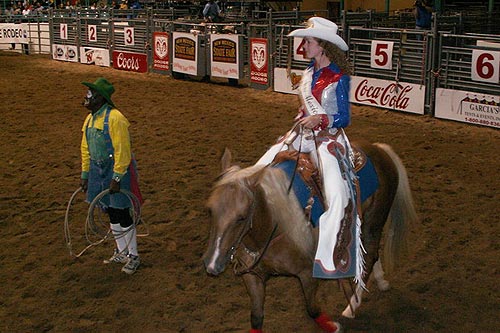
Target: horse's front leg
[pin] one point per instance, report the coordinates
(256, 289)
(310, 288)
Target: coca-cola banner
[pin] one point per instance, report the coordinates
(161, 59)
(259, 61)
(224, 56)
(128, 61)
(65, 52)
(401, 96)
(468, 107)
(94, 56)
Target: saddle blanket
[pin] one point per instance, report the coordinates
(368, 182)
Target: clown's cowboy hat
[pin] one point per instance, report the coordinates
(323, 29)
(103, 87)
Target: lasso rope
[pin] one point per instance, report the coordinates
(103, 232)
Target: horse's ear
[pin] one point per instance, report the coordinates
(254, 180)
(226, 159)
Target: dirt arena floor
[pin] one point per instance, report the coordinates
(448, 282)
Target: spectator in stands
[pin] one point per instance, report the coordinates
(108, 163)
(27, 10)
(135, 5)
(212, 12)
(423, 15)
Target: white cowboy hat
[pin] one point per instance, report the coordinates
(323, 29)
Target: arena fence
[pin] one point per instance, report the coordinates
(437, 72)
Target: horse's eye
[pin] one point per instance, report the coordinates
(241, 219)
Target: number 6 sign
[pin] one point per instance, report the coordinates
(485, 66)
(381, 54)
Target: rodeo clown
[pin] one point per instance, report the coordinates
(107, 163)
(319, 130)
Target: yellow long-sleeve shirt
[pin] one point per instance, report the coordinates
(93, 144)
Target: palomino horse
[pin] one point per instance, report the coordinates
(258, 223)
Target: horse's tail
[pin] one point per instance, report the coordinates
(401, 216)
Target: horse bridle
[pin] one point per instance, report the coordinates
(246, 229)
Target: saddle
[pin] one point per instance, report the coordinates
(310, 173)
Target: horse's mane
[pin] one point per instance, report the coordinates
(284, 207)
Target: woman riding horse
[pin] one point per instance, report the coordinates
(325, 111)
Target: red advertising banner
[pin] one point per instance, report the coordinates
(161, 58)
(259, 61)
(132, 62)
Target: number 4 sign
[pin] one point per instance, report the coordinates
(485, 66)
(298, 51)
(381, 54)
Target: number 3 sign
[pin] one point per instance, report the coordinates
(381, 54)
(129, 36)
(485, 66)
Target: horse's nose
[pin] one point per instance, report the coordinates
(212, 268)
(212, 271)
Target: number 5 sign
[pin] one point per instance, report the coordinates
(381, 54)
(485, 66)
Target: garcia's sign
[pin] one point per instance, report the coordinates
(467, 107)
(392, 95)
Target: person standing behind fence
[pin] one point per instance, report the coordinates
(108, 163)
(423, 15)
(211, 12)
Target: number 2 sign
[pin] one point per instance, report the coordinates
(92, 33)
(381, 54)
(485, 66)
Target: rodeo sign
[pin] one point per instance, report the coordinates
(13, 33)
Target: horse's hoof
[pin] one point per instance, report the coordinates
(347, 313)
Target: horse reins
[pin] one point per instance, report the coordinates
(246, 229)
(262, 252)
